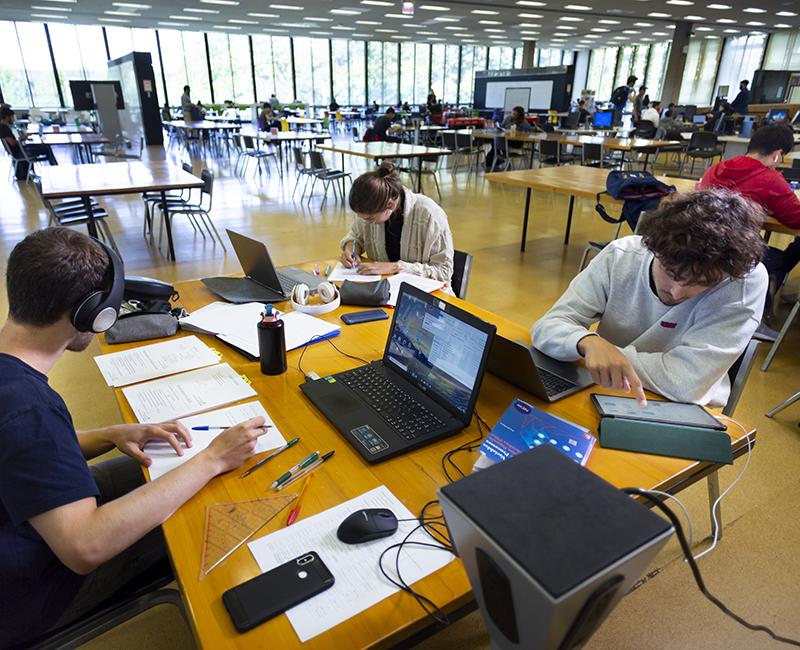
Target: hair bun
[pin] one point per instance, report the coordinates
(386, 169)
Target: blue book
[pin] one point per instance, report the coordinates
(523, 427)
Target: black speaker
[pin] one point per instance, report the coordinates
(549, 547)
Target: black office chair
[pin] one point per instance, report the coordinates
(791, 173)
(462, 267)
(571, 120)
(702, 145)
(644, 129)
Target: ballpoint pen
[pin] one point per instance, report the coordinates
(209, 427)
(260, 463)
(307, 470)
(296, 510)
(292, 472)
(327, 270)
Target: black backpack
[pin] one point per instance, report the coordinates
(639, 191)
(620, 95)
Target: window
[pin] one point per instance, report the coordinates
(185, 63)
(144, 40)
(355, 64)
(282, 61)
(741, 57)
(601, 72)
(657, 67)
(481, 58)
(312, 70)
(341, 67)
(422, 67)
(549, 56)
(13, 79)
(80, 53)
(451, 74)
(437, 70)
(120, 41)
(517, 57)
(467, 86)
(375, 72)
(36, 58)
(390, 73)
(568, 57)
(624, 66)
(783, 52)
(221, 69)
(700, 71)
(241, 69)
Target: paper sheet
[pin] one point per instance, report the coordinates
(236, 324)
(186, 394)
(341, 272)
(359, 583)
(165, 458)
(156, 360)
(424, 284)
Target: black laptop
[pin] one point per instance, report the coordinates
(423, 389)
(262, 282)
(527, 368)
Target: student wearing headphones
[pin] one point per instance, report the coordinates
(71, 536)
(398, 230)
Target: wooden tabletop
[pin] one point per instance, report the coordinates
(304, 120)
(619, 144)
(114, 178)
(383, 149)
(56, 139)
(201, 124)
(286, 135)
(413, 478)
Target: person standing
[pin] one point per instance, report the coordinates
(621, 96)
(639, 102)
(187, 105)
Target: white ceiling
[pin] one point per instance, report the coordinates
(551, 23)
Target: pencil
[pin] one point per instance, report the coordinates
(296, 510)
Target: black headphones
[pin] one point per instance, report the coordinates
(98, 309)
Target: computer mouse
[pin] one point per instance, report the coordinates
(366, 525)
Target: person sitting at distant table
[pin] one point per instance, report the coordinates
(16, 143)
(385, 125)
(166, 114)
(398, 230)
(651, 113)
(583, 118)
(515, 121)
(334, 105)
(267, 118)
(675, 305)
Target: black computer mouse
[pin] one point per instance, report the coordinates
(366, 525)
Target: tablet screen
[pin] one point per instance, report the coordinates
(677, 412)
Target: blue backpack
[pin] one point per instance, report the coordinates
(639, 191)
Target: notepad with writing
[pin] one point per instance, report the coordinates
(524, 427)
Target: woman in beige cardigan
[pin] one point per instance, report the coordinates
(398, 230)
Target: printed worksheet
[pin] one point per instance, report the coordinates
(341, 273)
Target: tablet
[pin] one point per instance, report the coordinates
(693, 415)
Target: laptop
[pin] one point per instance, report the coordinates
(262, 282)
(423, 389)
(527, 368)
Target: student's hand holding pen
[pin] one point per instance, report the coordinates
(235, 445)
(350, 256)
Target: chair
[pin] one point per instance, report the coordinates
(597, 246)
(301, 169)
(325, 174)
(450, 142)
(151, 198)
(644, 129)
(781, 335)
(592, 155)
(200, 210)
(571, 120)
(248, 150)
(791, 174)
(462, 267)
(505, 153)
(703, 145)
(356, 136)
(550, 153)
(426, 171)
(22, 158)
(122, 151)
(465, 145)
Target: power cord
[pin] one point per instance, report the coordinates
(318, 337)
(470, 445)
(698, 578)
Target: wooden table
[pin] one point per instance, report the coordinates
(80, 142)
(413, 478)
(202, 125)
(285, 139)
(304, 121)
(86, 181)
(381, 150)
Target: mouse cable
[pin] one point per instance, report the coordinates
(319, 337)
(470, 445)
(698, 578)
(715, 506)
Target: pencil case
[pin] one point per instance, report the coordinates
(365, 294)
(142, 326)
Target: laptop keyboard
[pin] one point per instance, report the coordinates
(287, 284)
(407, 416)
(554, 384)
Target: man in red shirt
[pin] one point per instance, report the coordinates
(754, 176)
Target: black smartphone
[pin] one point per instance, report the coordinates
(364, 316)
(272, 593)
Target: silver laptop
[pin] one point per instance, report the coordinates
(262, 282)
(527, 368)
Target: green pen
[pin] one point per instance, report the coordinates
(260, 463)
(289, 473)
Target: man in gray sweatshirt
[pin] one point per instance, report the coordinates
(675, 305)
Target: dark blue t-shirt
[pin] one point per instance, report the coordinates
(41, 468)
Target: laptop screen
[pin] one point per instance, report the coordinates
(602, 119)
(439, 352)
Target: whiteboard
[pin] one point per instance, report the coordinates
(541, 93)
(516, 97)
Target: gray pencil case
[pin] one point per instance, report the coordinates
(141, 327)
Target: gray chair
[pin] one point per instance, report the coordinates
(462, 267)
(781, 335)
(199, 213)
(321, 172)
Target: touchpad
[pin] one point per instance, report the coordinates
(339, 401)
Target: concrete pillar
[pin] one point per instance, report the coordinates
(528, 47)
(676, 62)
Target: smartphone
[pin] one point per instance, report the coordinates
(364, 316)
(272, 593)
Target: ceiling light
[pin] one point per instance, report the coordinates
(122, 13)
(530, 33)
(185, 18)
(782, 26)
(607, 21)
(274, 29)
(377, 3)
(220, 2)
(711, 37)
(658, 14)
(494, 36)
(660, 34)
(51, 8)
(131, 5)
(578, 7)
(683, 3)
(754, 10)
(694, 17)
(320, 33)
(498, 31)
(531, 3)
(102, 20)
(399, 37)
(725, 21)
(631, 31)
(754, 23)
(620, 38)
(242, 22)
(404, 17)
(427, 33)
(69, 2)
(368, 22)
(225, 27)
(530, 15)
(456, 29)
(718, 6)
(170, 24)
(316, 20)
(447, 19)
(704, 29)
(343, 28)
(360, 35)
(433, 8)
(731, 31)
(646, 39)
(484, 12)
(786, 13)
(643, 25)
(202, 11)
(341, 12)
(598, 29)
(386, 31)
(57, 17)
(468, 40)
(286, 7)
(528, 25)
(571, 19)
(489, 22)
(562, 27)
(591, 36)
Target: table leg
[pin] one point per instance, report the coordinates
(91, 225)
(342, 161)
(569, 219)
(525, 220)
(168, 225)
(419, 175)
(533, 149)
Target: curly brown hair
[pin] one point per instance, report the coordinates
(703, 237)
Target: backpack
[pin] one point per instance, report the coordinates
(620, 95)
(640, 192)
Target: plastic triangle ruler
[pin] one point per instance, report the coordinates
(229, 525)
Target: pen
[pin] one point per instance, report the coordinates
(208, 427)
(307, 470)
(292, 472)
(316, 269)
(355, 252)
(296, 510)
(327, 270)
(272, 455)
